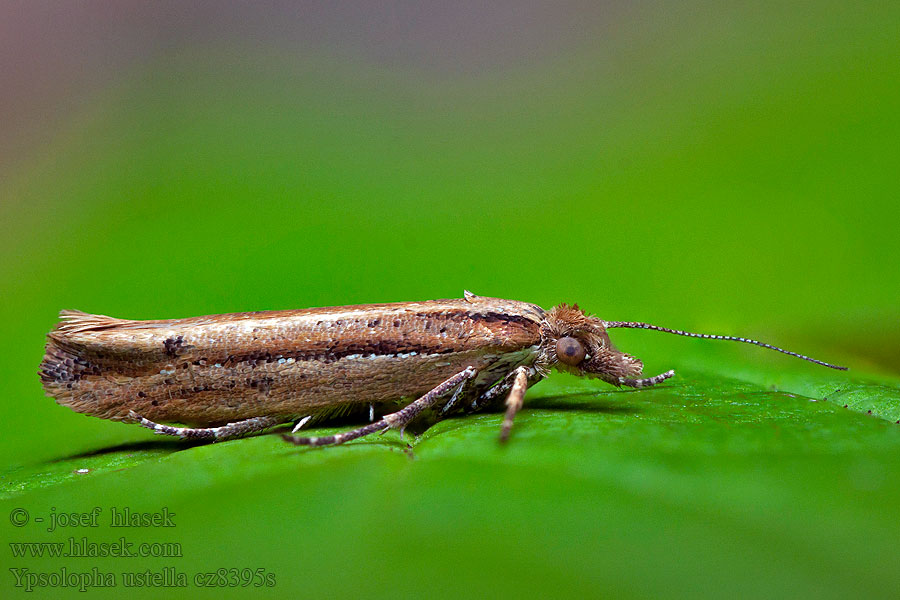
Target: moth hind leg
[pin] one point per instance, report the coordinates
(216, 434)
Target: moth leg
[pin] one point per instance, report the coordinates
(504, 386)
(299, 425)
(397, 420)
(216, 434)
(639, 383)
(457, 394)
(514, 400)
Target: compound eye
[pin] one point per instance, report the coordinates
(569, 351)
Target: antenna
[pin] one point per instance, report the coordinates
(635, 325)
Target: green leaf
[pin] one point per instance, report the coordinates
(704, 482)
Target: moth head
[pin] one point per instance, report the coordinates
(577, 343)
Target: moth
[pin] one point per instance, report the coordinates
(224, 376)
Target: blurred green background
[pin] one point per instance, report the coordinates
(713, 167)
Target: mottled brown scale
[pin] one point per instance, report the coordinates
(282, 363)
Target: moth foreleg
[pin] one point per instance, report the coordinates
(501, 389)
(640, 383)
(514, 400)
(397, 420)
(225, 432)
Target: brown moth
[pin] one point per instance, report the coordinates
(229, 375)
